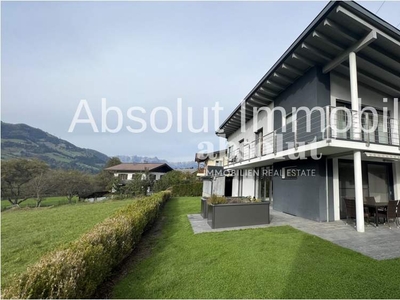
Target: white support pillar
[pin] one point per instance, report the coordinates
(396, 181)
(336, 191)
(359, 191)
(356, 126)
(355, 103)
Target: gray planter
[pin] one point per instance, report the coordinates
(238, 214)
(204, 208)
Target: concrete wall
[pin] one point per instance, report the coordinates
(305, 196)
(213, 186)
(207, 187)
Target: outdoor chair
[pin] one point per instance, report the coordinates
(390, 213)
(350, 204)
(393, 213)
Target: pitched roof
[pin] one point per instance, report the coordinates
(340, 27)
(132, 167)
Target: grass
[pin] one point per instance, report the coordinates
(27, 234)
(279, 262)
(61, 200)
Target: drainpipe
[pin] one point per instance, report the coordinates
(327, 189)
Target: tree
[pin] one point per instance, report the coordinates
(133, 187)
(41, 185)
(74, 183)
(15, 175)
(104, 180)
(173, 178)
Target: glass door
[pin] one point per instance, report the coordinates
(378, 182)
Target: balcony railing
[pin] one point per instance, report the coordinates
(328, 123)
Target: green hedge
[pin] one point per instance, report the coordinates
(188, 190)
(77, 270)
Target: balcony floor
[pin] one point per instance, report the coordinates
(378, 243)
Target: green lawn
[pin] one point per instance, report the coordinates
(46, 202)
(26, 234)
(278, 262)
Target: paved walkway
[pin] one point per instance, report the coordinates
(379, 243)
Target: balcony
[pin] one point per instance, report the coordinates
(327, 124)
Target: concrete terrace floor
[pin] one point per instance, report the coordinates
(376, 242)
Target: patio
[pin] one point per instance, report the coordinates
(379, 243)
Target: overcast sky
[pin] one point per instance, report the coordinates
(135, 54)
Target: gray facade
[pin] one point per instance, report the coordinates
(304, 196)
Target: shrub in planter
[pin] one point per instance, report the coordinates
(214, 199)
(80, 267)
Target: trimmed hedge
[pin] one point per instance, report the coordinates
(188, 190)
(77, 270)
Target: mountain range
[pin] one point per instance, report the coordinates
(24, 141)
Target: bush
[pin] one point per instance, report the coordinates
(187, 190)
(214, 199)
(77, 270)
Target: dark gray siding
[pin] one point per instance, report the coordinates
(310, 91)
(305, 196)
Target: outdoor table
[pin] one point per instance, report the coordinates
(376, 206)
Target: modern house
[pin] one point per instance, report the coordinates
(127, 171)
(210, 169)
(342, 77)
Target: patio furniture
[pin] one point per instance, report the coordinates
(351, 210)
(379, 208)
(391, 212)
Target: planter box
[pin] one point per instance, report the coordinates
(238, 214)
(204, 208)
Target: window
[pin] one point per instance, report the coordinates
(241, 149)
(259, 142)
(123, 176)
(230, 152)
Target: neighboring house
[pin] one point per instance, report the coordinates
(346, 58)
(127, 171)
(210, 169)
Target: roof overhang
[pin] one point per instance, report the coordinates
(341, 28)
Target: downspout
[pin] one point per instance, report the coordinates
(327, 190)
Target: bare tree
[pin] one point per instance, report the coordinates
(16, 174)
(42, 185)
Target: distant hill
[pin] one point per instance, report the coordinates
(23, 141)
(142, 159)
